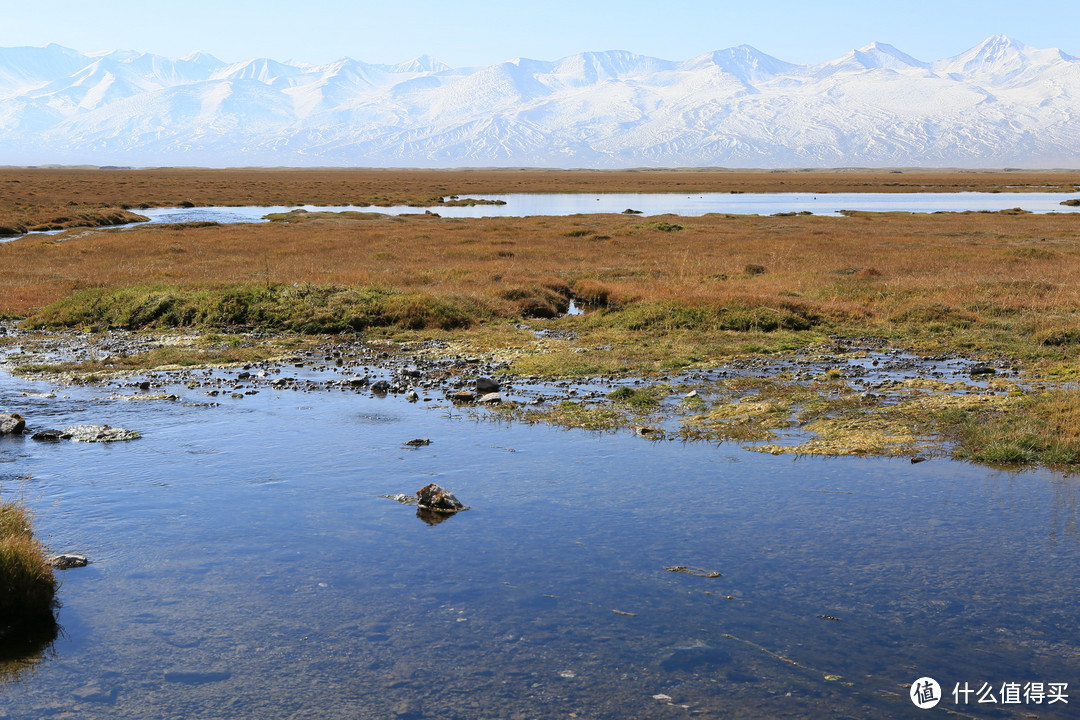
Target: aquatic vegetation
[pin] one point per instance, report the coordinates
(27, 584)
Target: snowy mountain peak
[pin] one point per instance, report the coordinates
(422, 64)
(610, 64)
(878, 54)
(263, 70)
(746, 63)
(202, 59)
(874, 56)
(999, 56)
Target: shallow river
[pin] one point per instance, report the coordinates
(245, 566)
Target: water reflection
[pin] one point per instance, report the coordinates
(23, 647)
(433, 518)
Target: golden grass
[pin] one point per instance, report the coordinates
(27, 585)
(965, 281)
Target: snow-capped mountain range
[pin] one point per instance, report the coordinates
(999, 104)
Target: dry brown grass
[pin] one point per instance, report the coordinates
(951, 271)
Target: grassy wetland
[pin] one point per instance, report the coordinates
(662, 295)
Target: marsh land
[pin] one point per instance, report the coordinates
(246, 356)
(662, 294)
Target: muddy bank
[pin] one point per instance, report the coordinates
(52, 220)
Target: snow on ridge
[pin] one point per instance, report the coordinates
(998, 103)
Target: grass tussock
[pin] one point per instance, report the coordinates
(1043, 429)
(27, 584)
(299, 308)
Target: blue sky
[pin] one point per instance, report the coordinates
(485, 31)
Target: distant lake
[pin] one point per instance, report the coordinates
(526, 204)
(530, 204)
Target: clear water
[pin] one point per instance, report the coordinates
(244, 566)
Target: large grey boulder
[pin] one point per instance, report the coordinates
(11, 424)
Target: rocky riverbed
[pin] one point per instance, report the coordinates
(841, 397)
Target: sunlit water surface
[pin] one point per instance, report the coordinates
(245, 566)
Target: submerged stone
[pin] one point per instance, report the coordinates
(696, 657)
(66, 561)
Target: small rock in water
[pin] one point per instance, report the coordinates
(418, 442)
(693, 571)
(100, 433)
(462, 396)
(982, 370)
(438, 499)
(486, 385)
(489, 398)
(66, 562)
(401, 498)
(411, 396)
(11, 424)
(647, 431)
(380, 387)
(49, 436)
(917, 459)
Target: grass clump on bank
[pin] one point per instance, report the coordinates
(49, 220)
(27, 584)
(1043, 428)
(298, 308)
